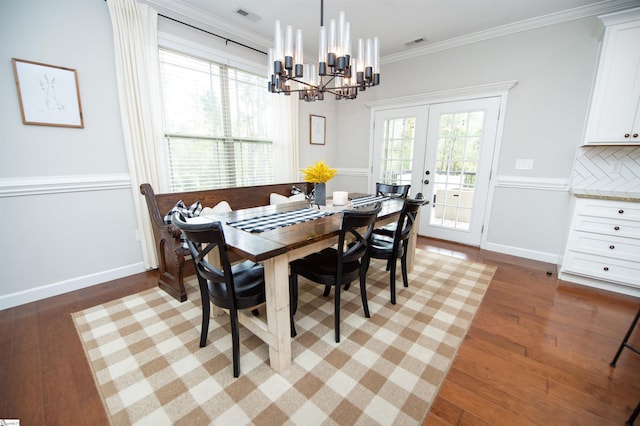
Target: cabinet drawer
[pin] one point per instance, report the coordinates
(624, 210)
(608, 269)
(608, 226)
(605, 245)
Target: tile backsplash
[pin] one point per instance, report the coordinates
(607, 171)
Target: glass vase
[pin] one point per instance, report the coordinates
(320, 194)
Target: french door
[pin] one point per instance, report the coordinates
(445, 151)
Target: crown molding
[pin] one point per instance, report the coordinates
(608, 6)
(201, 19)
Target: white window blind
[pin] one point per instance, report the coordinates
(217, 124)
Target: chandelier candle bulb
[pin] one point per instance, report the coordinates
(347, 40)
(277, 43)
(376, 56)
(299, 58)
(269, 61)
(340, 45)
(340, 198)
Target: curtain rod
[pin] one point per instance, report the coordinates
(227, 40)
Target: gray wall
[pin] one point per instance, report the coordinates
(67, 219)
(554, 67)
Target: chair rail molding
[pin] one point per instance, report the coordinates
(362, 171)
(40, 185)
(538, 183)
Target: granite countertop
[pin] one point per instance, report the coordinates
(607, 195)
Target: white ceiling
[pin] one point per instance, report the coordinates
(395, 22)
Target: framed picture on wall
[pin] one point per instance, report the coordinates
(317, 128)
(48, 94)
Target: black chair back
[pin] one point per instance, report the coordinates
(393, 191)
(202, 239)
(406, 220)
(352, 221)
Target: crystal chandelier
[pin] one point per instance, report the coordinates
(337, 72)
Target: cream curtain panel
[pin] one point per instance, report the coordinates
(285, 138)
(136, 56)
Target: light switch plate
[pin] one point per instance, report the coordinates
(524, 164)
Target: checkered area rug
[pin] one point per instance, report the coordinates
(143, 350)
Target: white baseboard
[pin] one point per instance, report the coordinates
(521, 252)
(54, 289)
(602, 285)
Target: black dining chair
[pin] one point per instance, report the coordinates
(240, 286)
(392, 190)
(338, 267)
(392, 245)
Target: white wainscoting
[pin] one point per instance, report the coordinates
(528, 183)
(52, 185)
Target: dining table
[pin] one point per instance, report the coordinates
(276, 246)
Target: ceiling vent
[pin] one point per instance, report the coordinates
(411, 43)
(247, 14)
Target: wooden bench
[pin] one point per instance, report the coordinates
(171, 255)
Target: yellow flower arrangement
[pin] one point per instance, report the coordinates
(318, 173)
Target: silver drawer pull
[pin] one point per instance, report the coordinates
(606, 268)
(616, 228)
(612, 246)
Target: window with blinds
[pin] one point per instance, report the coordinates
(217, 124)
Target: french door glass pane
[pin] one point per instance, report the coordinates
(456, 167)
(397, 150)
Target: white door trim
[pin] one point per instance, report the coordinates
(500, 89)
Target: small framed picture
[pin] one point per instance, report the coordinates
(48, 94)
(317, 129)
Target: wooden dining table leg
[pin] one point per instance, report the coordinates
(276, 274)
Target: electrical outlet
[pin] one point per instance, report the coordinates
(524, 164)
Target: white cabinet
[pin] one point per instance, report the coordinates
(604, 242)
(614, 115)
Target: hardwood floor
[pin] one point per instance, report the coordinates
(538, 353)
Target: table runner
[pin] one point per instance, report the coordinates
(278, 220)
(367, 200)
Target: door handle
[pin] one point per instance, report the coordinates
(426, 181)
